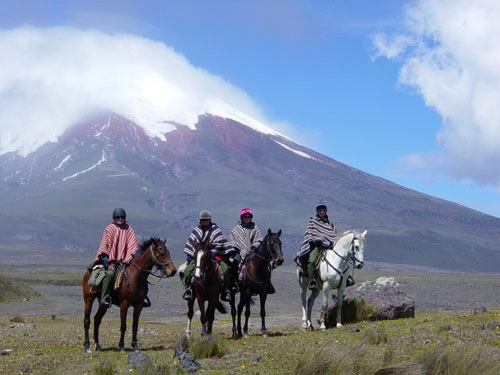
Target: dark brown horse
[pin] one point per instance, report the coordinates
(207, 285)
(133, 290)
(255, 280)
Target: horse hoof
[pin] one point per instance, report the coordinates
(264, 335)
(87, 351)
(97, 347)
(245, 336)
(304, 325)
(339, 325)
(122, 350)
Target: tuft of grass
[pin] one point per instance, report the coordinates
(104, 368)
(208, 346)
(17, 319)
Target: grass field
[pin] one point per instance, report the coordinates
(456, 330)
(430, 343)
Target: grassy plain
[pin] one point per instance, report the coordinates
(456, 330)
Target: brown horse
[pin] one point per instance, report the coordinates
(207, 285)
(133, 290)
(255, 280)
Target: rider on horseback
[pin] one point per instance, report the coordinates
(222, 252)
(320, 234)
(118, 245)
(245, 237)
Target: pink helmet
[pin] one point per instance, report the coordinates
(246, 211)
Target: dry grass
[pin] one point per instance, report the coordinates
(431, 343)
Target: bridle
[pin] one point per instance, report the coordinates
(350, 258)
(160, 266)
(270, 248)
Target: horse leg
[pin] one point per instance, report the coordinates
(247, 316)
(97, 322)
(135, 326)
(324, 306)
(203, 317)
(340, 297)
(89, 300)
(263, 297)
(303, 298)
(190, 314)
(240, 310)
(310, 303)
(210, 313)
(123, 325)
(232, 303)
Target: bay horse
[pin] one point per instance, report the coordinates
(207, 286)
(256, 278)
(335, 265)
(133, 290)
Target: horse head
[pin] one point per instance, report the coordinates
(160, 256)
(203, 258)
(358, 248)
(274, 246)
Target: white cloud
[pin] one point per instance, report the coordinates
(450, 54)
(50, 77)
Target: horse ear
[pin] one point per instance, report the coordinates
(164, 240)
(269, 232)
(364, 233)
(279, 233)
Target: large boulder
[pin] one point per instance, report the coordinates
(381, 299)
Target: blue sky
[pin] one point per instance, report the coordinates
(407, 91)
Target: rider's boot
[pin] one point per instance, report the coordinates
(188, 294)
(106, 301)
(312, 283)
(271, 289)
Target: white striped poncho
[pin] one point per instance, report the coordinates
(318, 230)
(244, 239)
(219, 245)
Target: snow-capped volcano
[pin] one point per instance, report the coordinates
(62, 194)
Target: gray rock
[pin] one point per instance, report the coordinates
(382, 299)
(137, 358)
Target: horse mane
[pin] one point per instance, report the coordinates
(145, 245)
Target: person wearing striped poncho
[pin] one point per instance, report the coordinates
(221, 248)
(245, 237)
(118, 246)
(320, 234)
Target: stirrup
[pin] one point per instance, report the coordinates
(350, 281)
(188, 295)
(235, 288)
(312, 284)
(271, 289)
(224, 296)
(106, 301)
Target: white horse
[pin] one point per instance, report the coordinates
(335, 265)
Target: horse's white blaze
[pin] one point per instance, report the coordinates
(335, 267)
(197, 272)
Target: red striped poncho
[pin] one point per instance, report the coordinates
(119, 244)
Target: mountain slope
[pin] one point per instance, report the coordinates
(62, 194)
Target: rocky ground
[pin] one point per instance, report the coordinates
(430, 291)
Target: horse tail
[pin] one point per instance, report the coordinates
(221, 308)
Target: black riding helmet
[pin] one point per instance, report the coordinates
(119, 212)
